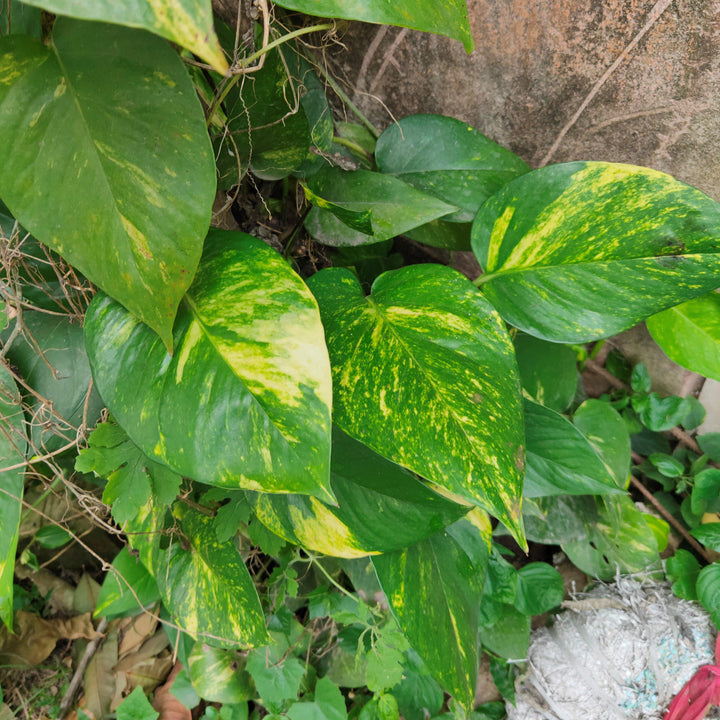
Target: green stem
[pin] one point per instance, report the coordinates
(352, 146)
(334, 582)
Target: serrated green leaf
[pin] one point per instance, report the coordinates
(539, 588)
(434, 590)
(188, 23)
(583, 250)
(424, 374)
(216, 677)
(250, 363)
(124, 186)
(13, 445)
(559, 458)
(275, 682)
(448, 159)
(392, 205)
(136, 707)
(708, 591)
(52, 359)
(126, 589)
(689, 334)
(381, 507)
(548, 371)
(683, 569)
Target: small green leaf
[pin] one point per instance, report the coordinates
(705, 497)
(709, 535)
(560, 460)
(276, 682)
(52, 536)
(189, 23)
(328, 704)
(215, 675)
(13, 446)
(559, 269)
(424, 374)
(539, 588)
(708, 591)
(250, 363)
(136, 707)
(445, 17)
(640, 379)
(127, 588)
(689, 334)
(660, 414)
(668, 465)
(683, 569)
(392, 205)
(448, 159)
(548, 371)
(360, 220)
(123, 189)
(710, 444)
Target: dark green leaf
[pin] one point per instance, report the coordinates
(250, 363)
(548, 371)
(13, 445)
(539, 588)
(215, 675)
(668, 465)
(16, 18)
(560, 460)
(126, 583)
(696, 416)
(60, 374)
(381, 507)
(607, 433)
(124, 186)
(188, 23)
(660, 414)
(52, 536)
(708, 591)
(448, 159)
(442, 234)
(328, 704)
(705, 496)
(640, 379)
(710, 444)
(393, 206)
(503, 675)
(689, 334)
(708, 534)
(559, 268)
(425, 375)
(559, 519)
(683, 570)
(434, 590)
(276, 682)
(509, 635)
(445, 17)
(417, 693)
(360, 220)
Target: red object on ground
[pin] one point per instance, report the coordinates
(700, 692)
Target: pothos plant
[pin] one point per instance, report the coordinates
(371, 411)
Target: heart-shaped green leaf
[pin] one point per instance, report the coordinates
(583, 250)
(13, 445)
(189, 23)
(106, 159)
(689, 334)
(381, 507)
(445, 17)
(448, 159)
(424, 373)
(245, 399)
(434, 589)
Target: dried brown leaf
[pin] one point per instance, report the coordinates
(99, 681)
(164, 702)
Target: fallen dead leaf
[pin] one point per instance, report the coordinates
(61, 592)
(99, 679)
(164, 702)
(133, 632)
(35, 637)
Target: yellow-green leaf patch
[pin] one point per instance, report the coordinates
(583, 250)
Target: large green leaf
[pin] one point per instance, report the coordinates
(393, 206)
(424, 374)
(445, 17)
(434, 589)
(381, 507)
(245, 399)
(583, 250)
(16, 18)
(447, 158)
(106, 159)
(60, 375)
(188, 23)
(689, 334)
(13, 445)
(560, 460)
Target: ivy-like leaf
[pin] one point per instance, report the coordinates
(583, 250)
(434, 589)
(106, 159)
(13, 445)
(448, 159)
(424, 374)
(445, 17)
(381, 507)
(188, 23)
(245, 400)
